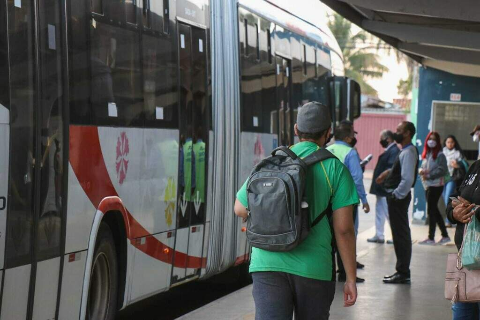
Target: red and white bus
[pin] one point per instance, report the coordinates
(126, 127)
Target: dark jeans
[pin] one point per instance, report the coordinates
(434, 217)
(402, 239)
(465, 311)
(341, 268)
(278, 295)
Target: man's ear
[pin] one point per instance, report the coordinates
(295, 128)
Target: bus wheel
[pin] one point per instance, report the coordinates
(102, 294)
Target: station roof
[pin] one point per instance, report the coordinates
(441, 34)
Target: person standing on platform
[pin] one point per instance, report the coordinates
(343, 150)
(397, 182)
(302, 281)
(476, 138)
(457, 168)
(434, 174)
(385, 162)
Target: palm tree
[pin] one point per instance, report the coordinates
(360, 63)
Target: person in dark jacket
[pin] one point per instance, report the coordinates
(385, 162)
(461, 212)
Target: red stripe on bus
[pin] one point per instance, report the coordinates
(87, 161)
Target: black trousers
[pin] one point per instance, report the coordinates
(341, 268)
(402, 238)
(278, 295)
(434, 216)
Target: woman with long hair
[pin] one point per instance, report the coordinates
(434, 172)
(456, 168)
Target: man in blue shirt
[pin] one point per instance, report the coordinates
(343, 150)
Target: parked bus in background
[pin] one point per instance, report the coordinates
(120, 141)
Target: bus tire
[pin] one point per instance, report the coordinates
(103, 289)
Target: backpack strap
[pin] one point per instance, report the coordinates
(317, 156)
(327, 211)
(285, 150)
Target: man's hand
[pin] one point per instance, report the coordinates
(349, 294)
(381, 178)
(366, 207)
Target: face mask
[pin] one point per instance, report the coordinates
(431, 143)
(398, 137)
(354, 142)
(475, 137)
(384, 143)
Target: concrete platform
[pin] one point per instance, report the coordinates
(422, 300)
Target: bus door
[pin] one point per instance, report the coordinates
(284, 94)
(36, 194)
(194, 125)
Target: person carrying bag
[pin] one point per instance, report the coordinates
(462, 286)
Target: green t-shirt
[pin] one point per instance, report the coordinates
(313, 257)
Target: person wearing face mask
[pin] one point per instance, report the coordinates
(457, 168)
(434, 174)
(343, 150)
(385, 162)
(398, 183)
(476, 137)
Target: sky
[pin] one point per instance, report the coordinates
(315, 11)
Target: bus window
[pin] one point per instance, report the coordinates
(22, 132)
(156, 15)
(80, 109)
(131, 11)
(97, 6)
(160, 83)
(116, 89)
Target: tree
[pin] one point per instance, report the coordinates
(360, 62)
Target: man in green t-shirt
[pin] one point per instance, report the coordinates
(302, 281)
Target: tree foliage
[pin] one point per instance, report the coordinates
(360, 62)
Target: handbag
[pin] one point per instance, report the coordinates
(461, 284)
(471, 246)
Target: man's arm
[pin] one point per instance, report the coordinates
(407, 160)
(345, 238)
(352, 162)
(240, 210)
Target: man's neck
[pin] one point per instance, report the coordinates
(318, 143)
(406, 143)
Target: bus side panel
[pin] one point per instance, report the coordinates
(72, 285)
(4, 162)
(151, 275)
(80, 215)
(142, 166)
(45, 302)
(15, 293)
(208, 215)
(254, 147)
(206, 243)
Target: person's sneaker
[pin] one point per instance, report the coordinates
(389, 241)
(376, 239)
(360, 265)
(444, 240)
(428, 242)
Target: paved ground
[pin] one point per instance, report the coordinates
(422, 300)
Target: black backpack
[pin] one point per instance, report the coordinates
(278, 213)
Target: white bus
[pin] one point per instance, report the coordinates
(126, 127)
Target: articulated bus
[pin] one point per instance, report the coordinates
(125, 128)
